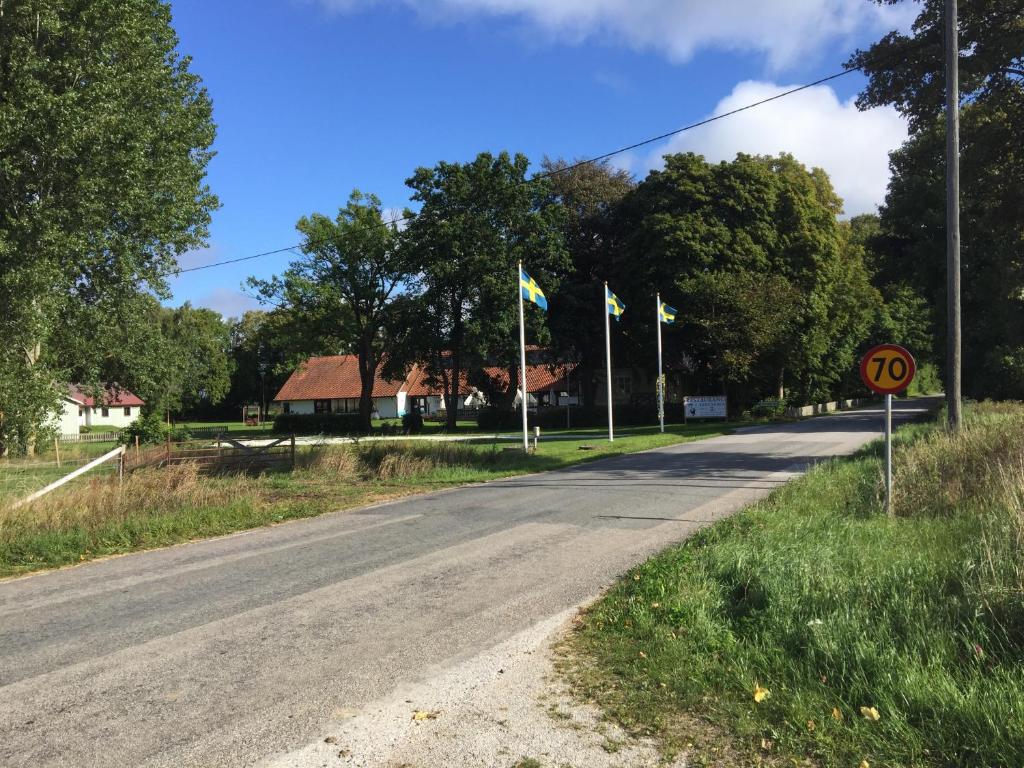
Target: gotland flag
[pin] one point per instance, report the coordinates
(615, 305)
(666, 314)
(531, 291)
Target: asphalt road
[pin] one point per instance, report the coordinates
(229, 651)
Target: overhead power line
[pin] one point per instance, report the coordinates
(589, 161)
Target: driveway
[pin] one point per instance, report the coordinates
(229, 651)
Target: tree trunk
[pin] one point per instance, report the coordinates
(452, 395)
(367, 373)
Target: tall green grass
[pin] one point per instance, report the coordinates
(841, 612)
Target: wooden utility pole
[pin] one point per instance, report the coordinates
(952, 217)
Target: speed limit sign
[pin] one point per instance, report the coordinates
(887, 369)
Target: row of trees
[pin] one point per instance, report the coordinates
(106, 134)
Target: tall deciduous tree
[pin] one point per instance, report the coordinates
(906, 71)
(105, 136)
(343, 287)
(476, 221)
(589, 195)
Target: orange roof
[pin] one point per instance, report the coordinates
(330, 377)
(539, 378)
(337, 376)
(114, 395)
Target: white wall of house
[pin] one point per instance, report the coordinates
(115, 416)
(66, 419)
(400, 404)
(387, 407)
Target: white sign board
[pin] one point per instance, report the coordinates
(714, 407)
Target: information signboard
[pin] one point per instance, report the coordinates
(706, 407)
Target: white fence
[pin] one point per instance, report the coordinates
(90, 437)
(814, 410)
(117, 453)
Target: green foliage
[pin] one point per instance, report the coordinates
(149, 428)
(476, 221)
(342, 291)
(319, 423)
(817, 596)
(412, 422)
(907, 72)
(104, 142)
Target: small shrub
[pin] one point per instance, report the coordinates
(412, 422)
(769, 408)
(84, 430)
(148, 428)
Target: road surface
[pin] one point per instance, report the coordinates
(229, 651)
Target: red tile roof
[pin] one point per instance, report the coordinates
(332, 376)
(115, 396)
(539, 378)
(337, 376)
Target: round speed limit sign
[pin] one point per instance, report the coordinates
(887, 369)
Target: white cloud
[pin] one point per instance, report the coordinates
(782, 30)
(812, 125)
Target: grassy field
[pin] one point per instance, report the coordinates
(156, 507)
(813, 627)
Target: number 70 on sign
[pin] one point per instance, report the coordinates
(887, 369)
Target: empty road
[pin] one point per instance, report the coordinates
(229, 651)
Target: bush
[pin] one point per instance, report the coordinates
(412, 422)
(148, 428)
(769, 408)
(318, 423)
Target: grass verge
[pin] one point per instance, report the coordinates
(156, 507)
(812, 626)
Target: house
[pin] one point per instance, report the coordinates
(116, 409)
(331, 384)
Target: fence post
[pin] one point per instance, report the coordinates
(168, 459)
(56, 449)
(137, 457)
(293, 451)
(120, 467)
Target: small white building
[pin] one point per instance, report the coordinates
(116, 409)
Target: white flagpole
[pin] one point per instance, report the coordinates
(522, 355)
(608, 359)
(661, 381)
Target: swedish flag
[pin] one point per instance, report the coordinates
(531, 291)
(666, 314)
(615, 305)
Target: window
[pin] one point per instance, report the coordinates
(106, 412)
(622, 385)
(81, 412)
(127, 410)
(321, 406)
(287, 408)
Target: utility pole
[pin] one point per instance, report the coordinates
(952, 217)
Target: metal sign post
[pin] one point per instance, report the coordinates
(887, 369)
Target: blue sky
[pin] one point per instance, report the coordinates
(313, 98)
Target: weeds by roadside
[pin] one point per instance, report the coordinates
(813, 626)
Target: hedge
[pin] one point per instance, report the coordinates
(318, 423)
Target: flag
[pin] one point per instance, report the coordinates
(615, 305)
(666, 314)
(531, 291)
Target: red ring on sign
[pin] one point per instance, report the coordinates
(908, 359)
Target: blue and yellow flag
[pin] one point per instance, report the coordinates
(531, 291)
(666, 314)
(615, 305)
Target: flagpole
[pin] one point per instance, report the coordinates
(608, 360)
(661, 381)
(522, 355)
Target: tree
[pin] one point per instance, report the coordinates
(907, 71)
(197, 373)
(708, 235)
(104, 142)
(476, 221)
(588, 194)
(343, 287)
(262, 358)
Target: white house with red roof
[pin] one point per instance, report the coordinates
(117, 408)
(330, 384)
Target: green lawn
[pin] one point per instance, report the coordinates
(897, 641)
(157, 507)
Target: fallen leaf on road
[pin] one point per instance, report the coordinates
(423, 714)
